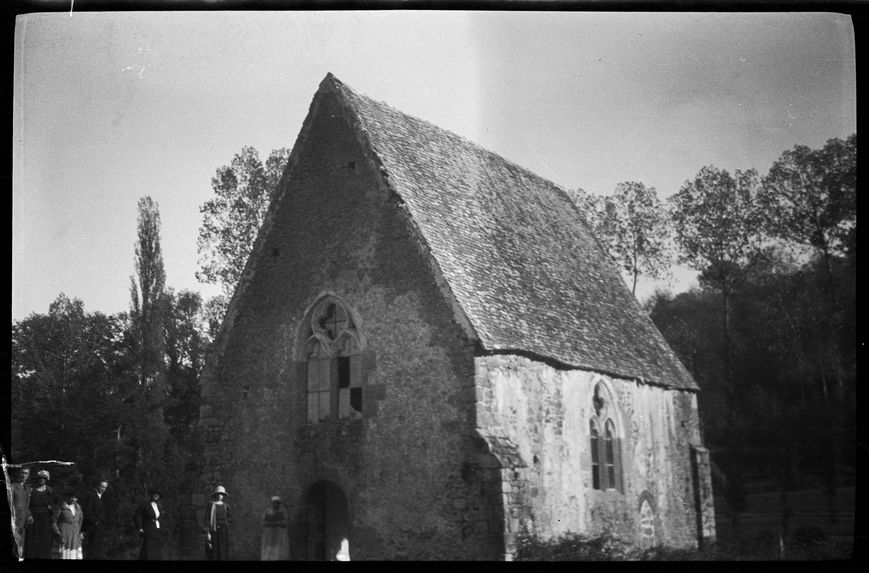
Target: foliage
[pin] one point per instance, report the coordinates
(633, 226)
(69, 370)
(117, 395)
(806, 544)
(717, 227)
(146, 293)
(717, 224)
(231, 220)
(186, 346)
(809, 196)
(788, 430)
(572, 547)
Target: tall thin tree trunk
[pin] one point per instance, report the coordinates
(728, 375)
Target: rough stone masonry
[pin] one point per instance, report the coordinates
(429, 355)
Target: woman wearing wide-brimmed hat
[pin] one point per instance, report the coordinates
(150, 520)
(217, 526)
(40, 534)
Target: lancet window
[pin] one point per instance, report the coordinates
(605, 443)
(333, 352)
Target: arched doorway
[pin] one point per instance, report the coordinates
(327, 523)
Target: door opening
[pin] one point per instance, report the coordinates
(327, 523)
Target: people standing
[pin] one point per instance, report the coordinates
(149, 518)
(276, 542)
(39, 536)
(66, 525)
(21, 507)
(94, 517)
(217, 526)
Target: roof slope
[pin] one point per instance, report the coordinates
(518, 256)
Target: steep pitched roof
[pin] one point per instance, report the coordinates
(516, 253)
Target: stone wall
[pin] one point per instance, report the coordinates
(545, 412)
(410, 468)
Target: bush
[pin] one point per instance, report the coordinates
(808, 543)
(573, 547)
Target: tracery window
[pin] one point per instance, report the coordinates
(333, 351)
(605, 444)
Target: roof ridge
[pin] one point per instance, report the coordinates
(509, 223)
(338, 85)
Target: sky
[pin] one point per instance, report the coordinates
(111, 107)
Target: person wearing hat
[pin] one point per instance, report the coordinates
(217, 526)
(40, 536)
(276, 542)
(67, 522)
(150, 520)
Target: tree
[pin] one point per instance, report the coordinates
(186, 347)
(632, 225)
(809, 197)
(243, 191)
(67, 380)
(717, 227)
(146, 294)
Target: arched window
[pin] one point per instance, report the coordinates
(595, 455)
(605, 446)
(647, 522)
(333, 352)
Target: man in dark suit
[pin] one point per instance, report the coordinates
(94, 518)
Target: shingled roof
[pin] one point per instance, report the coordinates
(514, 250)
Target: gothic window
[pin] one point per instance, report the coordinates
(595, 456)
(333, 351)
(604, 444)
(647, 523)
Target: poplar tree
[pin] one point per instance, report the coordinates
(147, 294)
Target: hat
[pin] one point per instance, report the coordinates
(219, 489)
(43, 474)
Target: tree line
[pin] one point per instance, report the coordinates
(768, 334)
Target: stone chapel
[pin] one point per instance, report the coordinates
(429, 354)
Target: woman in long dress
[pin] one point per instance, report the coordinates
(217, 526)
(67, 525)
(150, 518)
(39, 535)
(276, 543)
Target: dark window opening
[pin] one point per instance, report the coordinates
(610, 456)
(343, 372)
(595, 463)
(356, 399)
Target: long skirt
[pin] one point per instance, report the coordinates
(152, 546)
(219, 543)
(39, 538)
(275, 544)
